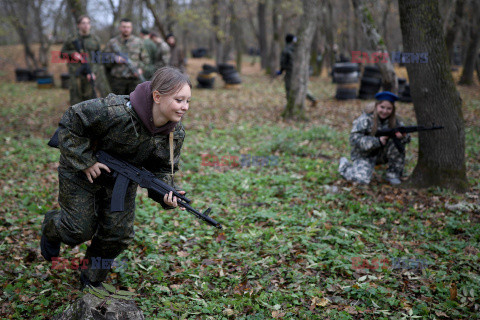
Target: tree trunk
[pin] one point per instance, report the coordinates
(274, 56)
(377, 44)
(21, 25)
(471, 58)
(441, 156)
(156, 17)
(170, 15)
(452, 29)
(301, 58)
(216, 31)
(262, 32)
(77, 8)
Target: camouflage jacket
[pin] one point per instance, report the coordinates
(286, 59)
(133, 48)
(363, 144)
(112, 125)
(151, 49)
(162, 57)
(89, 44)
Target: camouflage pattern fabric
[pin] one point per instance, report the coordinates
(151, 50)
(80, 87)
(133, 49)
(162, 57)
(367, 151)
(109, 124)
(286, 64)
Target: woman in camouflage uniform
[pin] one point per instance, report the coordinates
(139, 128)
(368, 150)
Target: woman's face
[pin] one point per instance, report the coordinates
(170, 107)
(384, 109)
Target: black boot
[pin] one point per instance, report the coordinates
(85, 282)
(49, 249)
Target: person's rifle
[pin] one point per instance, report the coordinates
(391, 133)
(128, 63)
(85, 68)
(124, 173)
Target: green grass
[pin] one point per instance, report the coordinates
(290, 229)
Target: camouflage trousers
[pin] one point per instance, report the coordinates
(80, 89)
(361, 168)
(288, 82)
(123, 85)
(85, 215)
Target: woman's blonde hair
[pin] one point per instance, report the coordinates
(392, 120)
(169, 80)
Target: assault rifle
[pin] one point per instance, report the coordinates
(129, 63)
(124, 172)
(390, 132)
(85, 68)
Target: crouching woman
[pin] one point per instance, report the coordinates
(143, 128)
(368, 150)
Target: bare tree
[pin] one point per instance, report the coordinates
(301, 59)
(262, 32)
(377, 43)
(473, 45)
(156, 17)
(275, 44)
(441, 155)
(453, 27)
(18, 14)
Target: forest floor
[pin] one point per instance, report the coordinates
(298, 241)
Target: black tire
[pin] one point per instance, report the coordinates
(224, 67)
(366, 96)
(65, 80)
(233, 78)
(22, 75)
(38, 73)
(346, 94)
(209, 68)
(369, 89)
(206, 82)
(351, 77)
(346, 67)
(227, 73)
(371, 82)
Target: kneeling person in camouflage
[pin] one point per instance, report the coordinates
(135, 128)
(368, 150)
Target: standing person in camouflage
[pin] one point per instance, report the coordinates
(162, 57)
(126, 46)
(368, 150)
(151, 49)
(177, 58)
(286, 64)
(136, 128)
(81, 88)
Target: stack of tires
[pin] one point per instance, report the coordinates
(22, 75)
(346, 75)
(206, 77)
(199, 52)
(45, 81)
(370, 83)
(229, 74)
(65, 80)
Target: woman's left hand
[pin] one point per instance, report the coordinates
(171, 200)
(400, 135)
